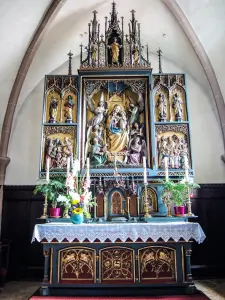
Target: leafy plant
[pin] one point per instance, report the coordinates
(51, 189)
(178, 192)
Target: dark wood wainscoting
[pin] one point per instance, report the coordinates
(21, 209)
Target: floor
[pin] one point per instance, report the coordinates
(22, 290)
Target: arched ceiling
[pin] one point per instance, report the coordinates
(20, 18)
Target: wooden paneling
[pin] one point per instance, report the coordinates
(21, 210)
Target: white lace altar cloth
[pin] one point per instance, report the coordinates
(133, 231)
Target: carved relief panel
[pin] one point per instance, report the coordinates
(116, 112)
(172, 141)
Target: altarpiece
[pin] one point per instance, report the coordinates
(126, 120)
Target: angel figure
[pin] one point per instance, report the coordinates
(134, 115)
(100, 111)
(141, 103)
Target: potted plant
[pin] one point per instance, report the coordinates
(51, 190)
(178, 193)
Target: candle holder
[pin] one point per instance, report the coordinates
(147, 215)
(168, 209)
(190, 214)
(45, 205)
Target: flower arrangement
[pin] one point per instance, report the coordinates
(78, 191)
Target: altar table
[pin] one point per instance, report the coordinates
(116, 255)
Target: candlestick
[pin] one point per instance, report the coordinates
(166, 168)
(138, 206)
(145, 170)
(47, 169)
(128, 205)
(186, 167)
(95, 208)
(68, 167)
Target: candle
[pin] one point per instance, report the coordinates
(95, 207)
(68, 166)
(88, 168)
(186, 167)
(145, 170)
(47, 168)
(166, 168)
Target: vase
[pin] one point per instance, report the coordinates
(54, 212)
(179, 210)
(77, 218)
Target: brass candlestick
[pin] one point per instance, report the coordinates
(168, 209)
(128, 205)
(189, 207)
(45, 205)
(146, 204)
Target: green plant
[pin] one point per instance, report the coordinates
(51, 189)
(178, 192)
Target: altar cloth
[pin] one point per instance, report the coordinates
(123, 231)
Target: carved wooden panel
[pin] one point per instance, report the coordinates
(157, 264)
(77, 265)
(117, 265)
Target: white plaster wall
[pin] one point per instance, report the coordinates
(207, 146)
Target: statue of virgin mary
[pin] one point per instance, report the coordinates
(117, 130)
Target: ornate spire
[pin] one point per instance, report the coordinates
(94, 23)
(160, 63)
(114, 13)
(70, 54)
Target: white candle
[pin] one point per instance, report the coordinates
(47, 168)
(186, 167)
(88, 168)
(68, 167)
(166, 168)
(145, 170)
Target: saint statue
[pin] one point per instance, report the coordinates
(161, 105)
(98, 153)
(136, 151)
(53, 108)
(69, 109)
(178, 107)
(115, 50)
(94, 50)
(117, 130)
(135, 55)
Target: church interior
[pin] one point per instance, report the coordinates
(112, 152)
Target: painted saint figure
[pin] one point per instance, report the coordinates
(53, 108)
(161, 105)
(69, 109)
(178, 107)
(94, 50)
(98, 153)
(115, 51)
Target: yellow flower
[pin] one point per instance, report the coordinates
(77, 211)
(75, 201)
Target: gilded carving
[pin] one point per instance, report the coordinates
(115, 122)
(156, 263)
(77, 264)
(172, 142)
(117, 264)
(59, 143)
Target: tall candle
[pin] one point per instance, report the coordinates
(68, 167)
(166, 168)
(145, 170)
(186, 167)
(47, 169)
(88, 168)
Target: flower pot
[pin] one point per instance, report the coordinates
(54, 212)
(179, 210)
(77, 218)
